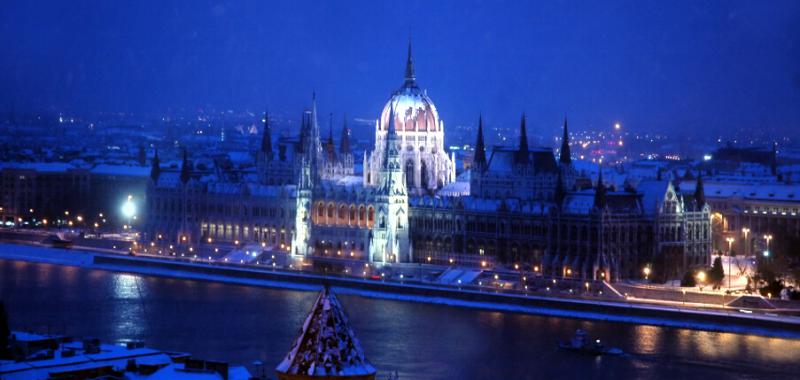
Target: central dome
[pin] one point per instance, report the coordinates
(413, 109)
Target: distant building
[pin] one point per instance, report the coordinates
(34, 192)
(515, 204)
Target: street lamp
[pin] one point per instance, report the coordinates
(129, 208)
(730, 256)
(646, 272)
(701, 278)
(745, 231)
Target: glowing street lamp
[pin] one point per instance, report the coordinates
(745, 231)
(646, 272)
(701, 277)
(730, 255)
(129, 208)
(768, 237)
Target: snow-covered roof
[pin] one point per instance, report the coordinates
(454, 189)
(42, 167)
(122, 170)
(502, 160)
(760, 191)
(327, 345)
(653, 192)
(579, 203)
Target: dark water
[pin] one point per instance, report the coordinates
(241, 324)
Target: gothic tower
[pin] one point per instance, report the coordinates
(390, 242)
(308, 177)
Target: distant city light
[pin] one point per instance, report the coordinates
(617, 126)
(707, 157)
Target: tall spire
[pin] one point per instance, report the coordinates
(522, 153)
(411, 78)
(330, 148)
(155, 168)
(565, 155)
(600, 191)
(344, 143)
(391, 137)
(480, 149)
(185, 168)
(266, 138)
(699, 192)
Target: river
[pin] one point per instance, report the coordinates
(241, 324)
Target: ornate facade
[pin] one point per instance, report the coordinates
(520, 204)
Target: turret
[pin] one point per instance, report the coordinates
(479, 160)
(600, 200)
(522, 153)
(410, 78)
(344, 143)
(330, 149)
(565, 154)
(155, 168)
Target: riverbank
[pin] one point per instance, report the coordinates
(709, 320)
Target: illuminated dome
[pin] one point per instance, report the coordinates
(426, 165)
(414, 110)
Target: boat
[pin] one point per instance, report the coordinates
(580, 343)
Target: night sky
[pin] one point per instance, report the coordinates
(653, 66)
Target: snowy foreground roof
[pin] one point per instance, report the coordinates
(327, 345)
(75, 359)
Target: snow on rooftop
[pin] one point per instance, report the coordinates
(327, 345)
(123, 170)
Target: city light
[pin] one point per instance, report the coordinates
(129, 208)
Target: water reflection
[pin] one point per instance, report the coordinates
(421, 341)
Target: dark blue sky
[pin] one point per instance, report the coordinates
(654, 66)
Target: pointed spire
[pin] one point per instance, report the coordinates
(266, 138)
(344, 143)
(411, 78)
(479, 160)
(185, 168)
(329, 147)
(391, 136)
(565, 156)
(600, 192)
(522, 153)
(699, 193)
(155, 168)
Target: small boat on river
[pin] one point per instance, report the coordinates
(582, 344)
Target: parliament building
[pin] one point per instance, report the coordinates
(515, 205)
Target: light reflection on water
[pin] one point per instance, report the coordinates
(421, 341)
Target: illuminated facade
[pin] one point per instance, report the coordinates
(518, 204)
